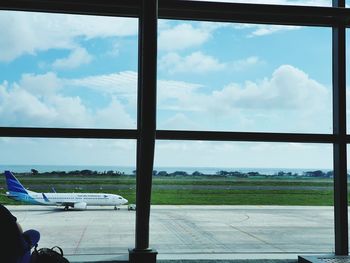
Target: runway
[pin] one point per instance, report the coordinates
(185, 231)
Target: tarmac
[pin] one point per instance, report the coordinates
(221, 233)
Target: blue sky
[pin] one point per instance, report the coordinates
(81, 71)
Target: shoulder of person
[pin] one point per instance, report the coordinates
(5, 214)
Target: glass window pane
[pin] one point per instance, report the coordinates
(230, 198)
(59, 70)
(90, 177)
(244, 77)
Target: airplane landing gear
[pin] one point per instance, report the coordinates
(66, 208)
(116, 208)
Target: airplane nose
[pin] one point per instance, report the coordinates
(125, 201)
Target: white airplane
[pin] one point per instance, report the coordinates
(17, 192)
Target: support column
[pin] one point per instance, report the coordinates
(339, 129)
(146, 127)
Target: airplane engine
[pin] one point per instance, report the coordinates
(81, 205)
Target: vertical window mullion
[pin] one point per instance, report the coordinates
(146, 124)
(339, 129)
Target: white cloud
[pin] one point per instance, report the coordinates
(257, 30)
(176, 37)
(114, 115)
(288, 88)
(263, 30)
(28, 33)
(21, 108)
(38, 100)
(289, 93)
(197, 62)
(243, 64)
(183, 36)
(177, 95)
(69, 111)
(18, 106)
(288, 101)
(115, 83)
(263, 105)
(40, 85)
(76, 58)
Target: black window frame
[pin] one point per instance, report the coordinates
(336, 17)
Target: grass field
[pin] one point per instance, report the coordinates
(193, 197)
(91, 180)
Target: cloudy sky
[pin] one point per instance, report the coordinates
(81, 71)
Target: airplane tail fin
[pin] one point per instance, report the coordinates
(13, 185)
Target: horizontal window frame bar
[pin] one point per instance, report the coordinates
(123, 8)
(249, 136)
(69, 133)
(193, 10)
(253, 13)
(84, 133)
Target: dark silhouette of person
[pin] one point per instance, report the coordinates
(16, 244)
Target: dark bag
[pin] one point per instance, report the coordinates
(48, 255)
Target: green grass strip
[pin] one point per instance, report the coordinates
(224, 197)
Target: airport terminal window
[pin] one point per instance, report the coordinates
(219, 78)
(67, 64)
(239, 197)
(91, 170)
(61, 70)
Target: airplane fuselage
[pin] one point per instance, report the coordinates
(76, 200)
(63, 198)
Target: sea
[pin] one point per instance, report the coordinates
(129, 170)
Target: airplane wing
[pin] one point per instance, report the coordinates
(65, 204)
(78, 205)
